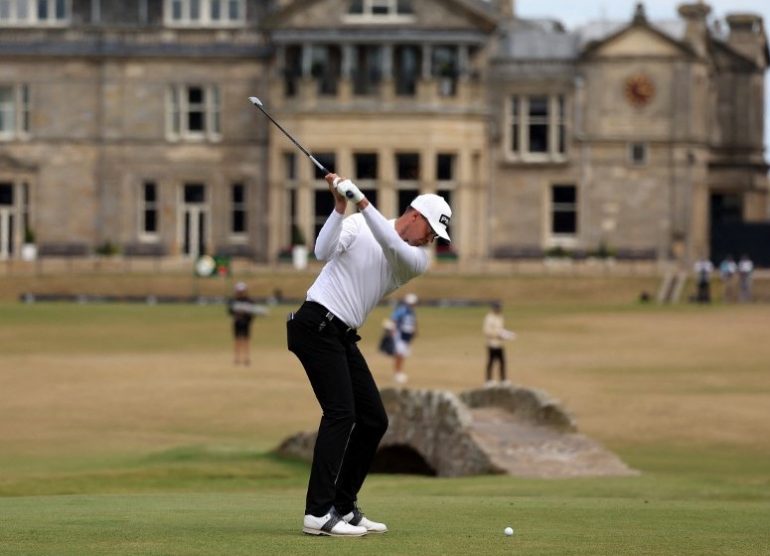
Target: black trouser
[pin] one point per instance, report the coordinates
(495, 354)
(353, 420)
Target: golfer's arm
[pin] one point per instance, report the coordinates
(396, 250)
(328, 237)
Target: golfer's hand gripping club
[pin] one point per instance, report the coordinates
(349, 190)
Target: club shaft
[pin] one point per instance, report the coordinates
(293, 140)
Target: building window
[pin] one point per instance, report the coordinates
(536, 127)
(408, 166)
(637, 153)
(292, 71)
(290, 166)
(407, 66)
(564, 210)
(366, 166)
(194, 112)
(148, 211)
(324, 205)
(367, 69)
(14, 111)
(405, 198)
(238, 209)
(327, 160)
(446, 68)
(362, 11)
(326, 67)
(34, 12)
(204, 13)
(445, 167)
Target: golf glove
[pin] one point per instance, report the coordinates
(349, 190)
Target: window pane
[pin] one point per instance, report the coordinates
(5, 10)
(61, 9)
(356, 7)
(195, 10)
(564, 209)
(238, 193)
(405, 7)
(194, 193)
(445, 167)
(150, 221)
(408, 166)
(22, 10)
(239, 221)
(405, 198)
(195, 121)
(290, 166)
(42, 10)
(216, 9)
(564, 194)
(538, 138)
(327, 160)
(538, 107)
(176, 10)
(150, 193)
(234, 11)
(6, 194)
(366, 166)
(324, 205)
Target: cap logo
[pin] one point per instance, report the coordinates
(444, 219)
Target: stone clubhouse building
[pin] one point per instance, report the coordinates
(126, 126)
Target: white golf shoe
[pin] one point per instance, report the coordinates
(400, 378)
(357, 518)
(331, 525)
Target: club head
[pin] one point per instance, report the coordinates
(255, 101)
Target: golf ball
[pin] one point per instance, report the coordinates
(508, 531)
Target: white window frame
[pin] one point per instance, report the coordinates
(203, 18)
(556, 121)
(143, 206)
(243, 206)
(178, 109)
(369, 15)
(16, 109)
(29, 16)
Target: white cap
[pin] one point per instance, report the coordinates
(436, 210)
(240, 287)
(410, 299)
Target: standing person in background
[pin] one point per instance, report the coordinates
(404, 330)
(727, 272)
(367, 257)
(745, 270)
(496, 334)
(703, 269)
(239, 308)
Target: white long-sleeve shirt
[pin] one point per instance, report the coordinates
(366, 260)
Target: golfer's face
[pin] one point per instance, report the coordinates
(420, 233)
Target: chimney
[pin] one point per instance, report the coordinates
(506, 8)
(696, 33)
(747, 36)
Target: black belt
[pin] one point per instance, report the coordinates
(338, 323)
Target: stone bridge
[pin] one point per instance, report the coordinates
(502, 429)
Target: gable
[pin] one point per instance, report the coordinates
(638, 42)
(427, 14)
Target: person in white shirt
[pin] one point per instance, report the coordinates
(745, 270)
(496, 334)
(367, 257)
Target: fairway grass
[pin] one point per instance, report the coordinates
(125, 429)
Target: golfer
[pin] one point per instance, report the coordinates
(367, 257)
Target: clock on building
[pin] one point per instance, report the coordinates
(639, 90)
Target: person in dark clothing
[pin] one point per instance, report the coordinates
(240, 309)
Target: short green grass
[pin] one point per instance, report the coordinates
(125, 429)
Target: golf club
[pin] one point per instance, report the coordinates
(258, 103)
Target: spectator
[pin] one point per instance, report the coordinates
(745, 270)
(703, 269)
(404, 330)
(240, 309)
(727, 272)
(496, 334)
